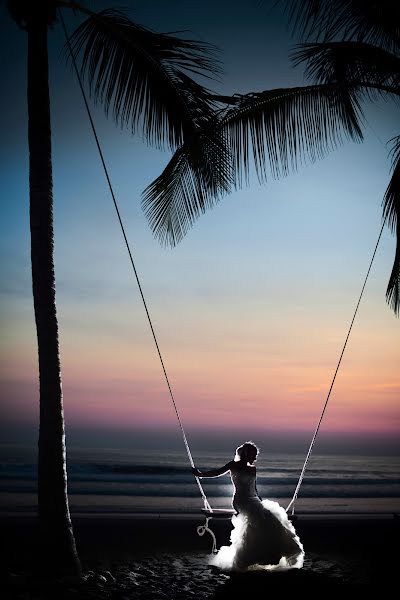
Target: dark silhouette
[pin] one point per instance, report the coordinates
(151, 87)
(262, 535)
(281, 128)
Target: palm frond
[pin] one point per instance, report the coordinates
(195, 179)
(280, 128)
(143, 76)
(307, 17)
(375, 70)
(391, 212)
(368, 21)
(277, 128)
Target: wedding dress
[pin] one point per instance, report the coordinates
(262, 535)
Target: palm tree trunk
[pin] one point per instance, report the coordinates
(58, 550)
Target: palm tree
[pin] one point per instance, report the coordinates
(144, 78)
(280, 129)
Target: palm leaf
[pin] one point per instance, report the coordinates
(368, 21)
(276, 128)
(143, 76)
(195, 179)
(282, 128)
(307, 16)
(374, 69)
(391, 212)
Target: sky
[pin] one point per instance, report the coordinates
(251, 309)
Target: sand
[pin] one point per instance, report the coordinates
(161, 557)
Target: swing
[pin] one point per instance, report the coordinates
(219, 513)
(207, 511)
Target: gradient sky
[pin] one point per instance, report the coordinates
(251, 309)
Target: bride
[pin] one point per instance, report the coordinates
(262, 535)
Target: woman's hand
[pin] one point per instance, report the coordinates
(196, 472)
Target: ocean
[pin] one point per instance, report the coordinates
(131, 481)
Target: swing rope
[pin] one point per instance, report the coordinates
(203, 495)
(293, 500)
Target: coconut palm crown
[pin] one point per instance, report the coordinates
(280, 129)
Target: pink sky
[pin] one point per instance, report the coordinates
(261, 373)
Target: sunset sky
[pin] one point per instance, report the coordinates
(251, 309)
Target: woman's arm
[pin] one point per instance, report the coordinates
(213, 472)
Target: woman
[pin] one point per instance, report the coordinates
(262, 535)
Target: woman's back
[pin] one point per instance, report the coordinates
(244, 482)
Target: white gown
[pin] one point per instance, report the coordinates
(262, 535)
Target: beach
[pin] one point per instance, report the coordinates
(135, 518)
(161, 556)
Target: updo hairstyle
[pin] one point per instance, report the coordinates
(247, 452)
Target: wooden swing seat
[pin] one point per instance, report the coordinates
(219, 513)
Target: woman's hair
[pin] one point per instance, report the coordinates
(247, 451)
